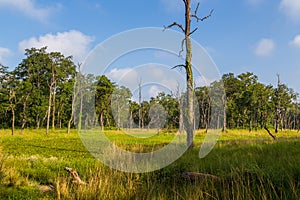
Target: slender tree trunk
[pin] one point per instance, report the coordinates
(12, 101)
(12, 120)
(140, 101)
(131, 120)
(277, 105)
(101, 121)
(53, 106)
(58, 124)
(72, 113)
(224, 114)
(38, 121)
(250, 124)
(49, 111)
(189, 76)
(24, 114)
(51, 86)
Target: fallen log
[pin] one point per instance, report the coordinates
(75, 176)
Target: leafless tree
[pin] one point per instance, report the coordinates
(187, 46)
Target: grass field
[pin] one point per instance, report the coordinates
(249, 166)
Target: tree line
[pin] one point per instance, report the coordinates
(39, 93)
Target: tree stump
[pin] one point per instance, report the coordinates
(75, 176)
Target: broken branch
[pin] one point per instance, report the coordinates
(273, 136)
(193, 31)
(203, 18)
(178, 66)
(75, 176)
(174, 24)
(196, 11)
(182, 46)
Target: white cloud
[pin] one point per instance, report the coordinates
(71, 43)
(291, 8)
(3, 53)
(296, 41)
(28, 7)
(265, 47)
(154, 91)
(125, 76)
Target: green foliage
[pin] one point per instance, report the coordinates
(47, 82)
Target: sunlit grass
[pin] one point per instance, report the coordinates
(250, 166)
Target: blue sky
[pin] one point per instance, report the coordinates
(260, 36)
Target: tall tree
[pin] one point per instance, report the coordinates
(189, 114)
(104, 90)
(60, 69)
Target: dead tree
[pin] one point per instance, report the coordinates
(277, 104)
(189, 125)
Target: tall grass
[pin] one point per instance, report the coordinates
(249, 165)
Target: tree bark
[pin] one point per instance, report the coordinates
(12, 101)
(224, 115)
(101, 121)
(53, 106)
(24, 113)
(189, 76)
(49, 110)
(13, 121)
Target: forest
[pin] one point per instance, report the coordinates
(39, 93)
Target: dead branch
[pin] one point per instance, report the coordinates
(193, 31)
(75, 176)
(182, 47)
(175, 24)
(273, 136)
(196, 11)
(178, 66)
(203, 18)
(195, 176)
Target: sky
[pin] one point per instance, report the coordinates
(259, 36)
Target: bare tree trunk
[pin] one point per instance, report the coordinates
(189, 118)
(24, 113)
(250, 124)
(72, 113)
(49, 110)
(101, 121)
(140, 101)
(224, 114)
(189, 76)
(12, 101)
(70, 121)
(277, 105)
(53, 106)
(13, 120)
(52, 84)
(131, 120)
(38, 121)
(58, 122)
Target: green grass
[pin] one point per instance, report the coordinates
(249, 165)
